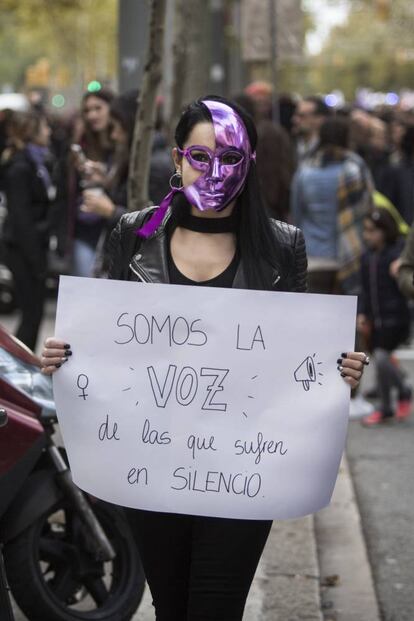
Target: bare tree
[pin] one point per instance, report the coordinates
(145, 120)
(182, 19)
(191, 54)
(198, 50)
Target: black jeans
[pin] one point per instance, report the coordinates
(198, 568)
(30, 295)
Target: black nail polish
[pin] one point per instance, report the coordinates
(64, 360)
(66, 346)
(58, 365)
(343, 375)
(343, 355)
(68, 352)
(339, 360)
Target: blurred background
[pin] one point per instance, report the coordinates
(330, 84)
(346, 50)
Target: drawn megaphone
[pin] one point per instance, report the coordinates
(306, 373)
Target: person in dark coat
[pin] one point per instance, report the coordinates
(383, 313)
(28, 186)
(398, 181)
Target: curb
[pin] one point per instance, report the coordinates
(343, 557)
(286, 584)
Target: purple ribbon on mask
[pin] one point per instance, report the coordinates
(157, 217)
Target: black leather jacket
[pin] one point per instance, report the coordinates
(133, 258)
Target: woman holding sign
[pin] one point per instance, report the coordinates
(210, 230)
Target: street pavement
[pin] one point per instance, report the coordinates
(353, 561)
(382, 466)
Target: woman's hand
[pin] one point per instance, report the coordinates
(97, 203)
(351, 366)
(54, 354)
(395, 268)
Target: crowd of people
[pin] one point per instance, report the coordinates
(343, 176)
(65, 185)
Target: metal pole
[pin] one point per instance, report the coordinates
(273, 59)
(217, 49)
(132, 42)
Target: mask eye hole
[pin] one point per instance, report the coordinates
(199, 157)
(231, 158)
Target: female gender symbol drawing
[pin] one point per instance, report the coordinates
(82, 383)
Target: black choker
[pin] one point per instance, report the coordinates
(199, 224)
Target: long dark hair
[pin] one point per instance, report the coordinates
(258, 248)
(334, 132)
(97, 146)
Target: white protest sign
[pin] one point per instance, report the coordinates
(205, 401)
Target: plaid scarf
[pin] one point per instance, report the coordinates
(354, 194)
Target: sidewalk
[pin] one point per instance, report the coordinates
(316, 567)
(313, 569)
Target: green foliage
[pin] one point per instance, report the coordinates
(367, 51)
(78, 37)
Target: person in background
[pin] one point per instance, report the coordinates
(398, 182)
(28, 188)
(111, 203)
(275, 153)
(403, 267)
(309, 115)
(260, 93)
(397, 129)
(377, 152)
(275, 168)
(86, 165)
(330, 196)
(383, 313)
(6, 117)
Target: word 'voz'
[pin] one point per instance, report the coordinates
(187, 385)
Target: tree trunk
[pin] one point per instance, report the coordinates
(182, 19)
(139, 164)
(198, 50)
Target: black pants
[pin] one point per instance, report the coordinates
(30, 296)
(198, 568)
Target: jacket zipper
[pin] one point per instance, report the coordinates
(139, 273)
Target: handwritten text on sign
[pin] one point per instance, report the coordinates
(203, 401)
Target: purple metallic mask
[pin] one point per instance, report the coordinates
(224, 170)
